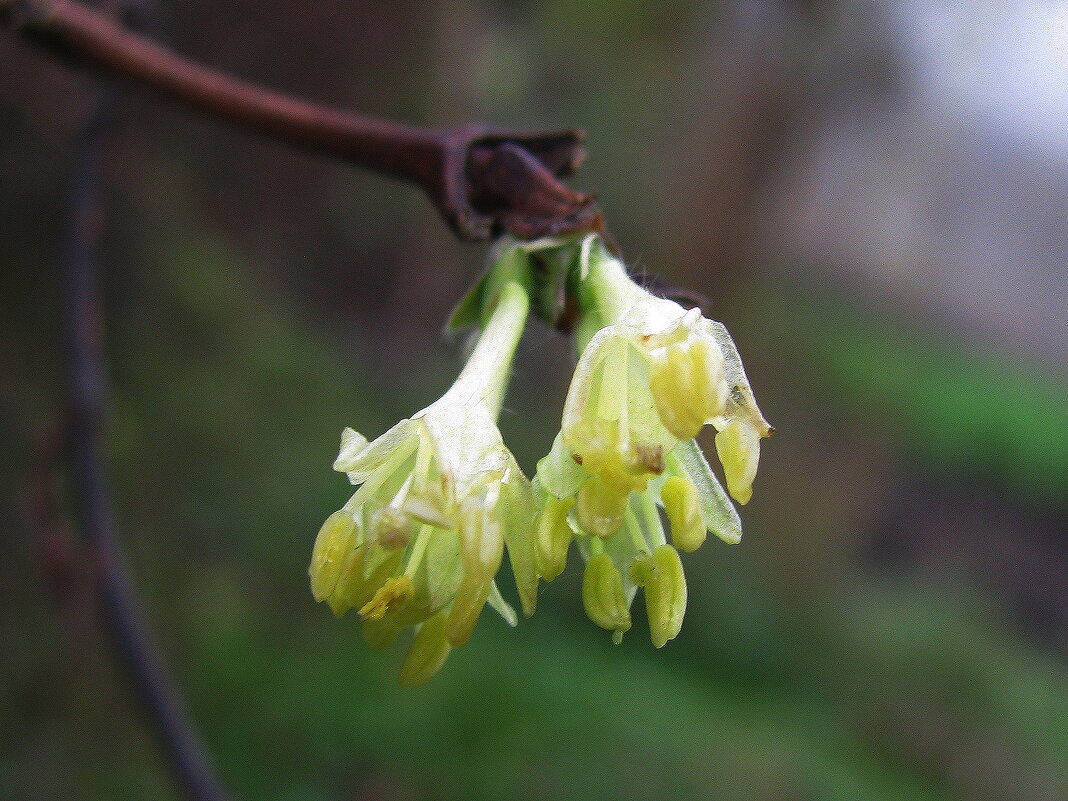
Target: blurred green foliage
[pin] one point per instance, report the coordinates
(960, 408)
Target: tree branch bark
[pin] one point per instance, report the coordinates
(483, 180)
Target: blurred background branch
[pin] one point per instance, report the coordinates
(81, 433)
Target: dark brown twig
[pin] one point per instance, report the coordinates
(482, 180)
(93, 513)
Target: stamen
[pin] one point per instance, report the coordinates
(634, 529)
(654, 526)
(422, 541)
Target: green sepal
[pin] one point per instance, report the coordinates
(468, 311)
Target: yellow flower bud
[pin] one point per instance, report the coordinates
(553, 535)
(665, 593)
(684, 513)
(738, 446)
(427, 653)
(603, 596)
(336, 540)
(599, 507)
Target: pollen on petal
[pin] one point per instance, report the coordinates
(395, 591)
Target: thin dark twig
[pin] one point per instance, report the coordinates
(81, 319)
(483, 180)
(58, 556)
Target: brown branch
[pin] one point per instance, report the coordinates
(482, 180)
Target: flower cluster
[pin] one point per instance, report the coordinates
(650, 376)
(441, 498)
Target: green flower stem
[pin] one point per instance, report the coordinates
(487, 370)
(608, 289)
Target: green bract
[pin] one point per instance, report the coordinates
(440, 497)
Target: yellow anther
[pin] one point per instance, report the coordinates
(466, 607)
(395, 591)
(665, 593)
(341, 599)
(684, 513)
(738, 446)
(336, 540)
(553, 537)
(481, 538)
(603, 596)
(599, 507)
(688, 385)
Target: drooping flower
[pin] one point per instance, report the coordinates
(440, 498)
(419, 543)
(650, 376)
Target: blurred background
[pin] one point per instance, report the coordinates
(874, 197)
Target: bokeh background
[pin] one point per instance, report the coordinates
(873, 195)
